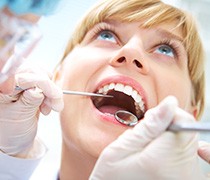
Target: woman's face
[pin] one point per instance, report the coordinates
(140, 67)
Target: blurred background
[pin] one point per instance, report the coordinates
(56, 31)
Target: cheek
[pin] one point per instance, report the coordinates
(174, 84)
(80, 66)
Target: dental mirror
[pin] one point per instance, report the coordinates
(126, 118)
(129, 119)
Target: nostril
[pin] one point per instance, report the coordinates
(137, 63)
(121, 59)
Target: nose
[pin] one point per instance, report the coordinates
(7, 87)
(132, 55)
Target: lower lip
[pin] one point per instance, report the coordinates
(107, 117)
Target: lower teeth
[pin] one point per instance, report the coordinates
(109, 114)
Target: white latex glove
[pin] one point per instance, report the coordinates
(149, 151)
(204, 151)
(19, 112)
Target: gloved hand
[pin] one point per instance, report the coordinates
(19, 112)
(204, 151)
(149, 151)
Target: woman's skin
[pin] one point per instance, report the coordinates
(149, 60)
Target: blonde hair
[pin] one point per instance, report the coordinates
(151, 12)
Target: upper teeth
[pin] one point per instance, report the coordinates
(139, 103)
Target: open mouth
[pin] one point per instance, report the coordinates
(124, 98)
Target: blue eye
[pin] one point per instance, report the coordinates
(166, 50)
(106, 36)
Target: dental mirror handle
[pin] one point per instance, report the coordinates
(200, 127)
(129, 119)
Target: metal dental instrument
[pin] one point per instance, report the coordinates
(77, 93)
(86, 94)
(126, 118)
(129, 119)
(200, 127)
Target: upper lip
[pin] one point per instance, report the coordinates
(124, 80)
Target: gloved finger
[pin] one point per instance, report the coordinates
(45, 109)
(154, 124)
(28, 100)
(55, 104)
(204, 151)
(32, 97)
(5, 99)
(48, 87)
(54, 95)
(185, 138)
(35, 98)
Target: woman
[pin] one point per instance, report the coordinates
(120, 48)
(140, 52)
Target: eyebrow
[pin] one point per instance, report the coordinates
(170, 35)
(160, 31)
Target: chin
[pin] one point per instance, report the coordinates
(99, 142)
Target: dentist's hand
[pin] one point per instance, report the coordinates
(19, 112)
(149, 151)
(204, 151)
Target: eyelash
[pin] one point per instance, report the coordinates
(170, 43)
(102, 28)
(106, 27)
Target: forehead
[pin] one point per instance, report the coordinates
(170, 29)
(162, 15)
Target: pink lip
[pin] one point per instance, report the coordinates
(107, 118)
(126, 81)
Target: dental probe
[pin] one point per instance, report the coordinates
(86, 94)
(77, 93)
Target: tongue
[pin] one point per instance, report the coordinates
(109, 109)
